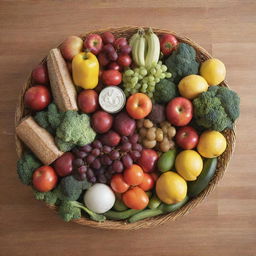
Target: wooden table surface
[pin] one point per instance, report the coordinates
(225, 223)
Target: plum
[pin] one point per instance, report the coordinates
(124, 125)
(111, 138)
(157, 114)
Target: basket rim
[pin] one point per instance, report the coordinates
(223, 161)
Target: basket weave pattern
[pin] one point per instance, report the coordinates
(223, 160)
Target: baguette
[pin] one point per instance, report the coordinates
(63, 88)
(40, 141)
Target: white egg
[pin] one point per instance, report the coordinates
(99, 198)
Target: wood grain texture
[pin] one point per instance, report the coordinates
(225, 224)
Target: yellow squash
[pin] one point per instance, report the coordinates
(85, 70)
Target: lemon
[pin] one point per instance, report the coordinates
(171, 188)
(211, 144)
(213, 70)
(191, 86)
(189, 164)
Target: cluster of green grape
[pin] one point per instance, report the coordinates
(142, 80)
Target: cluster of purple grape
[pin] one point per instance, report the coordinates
(97, 162)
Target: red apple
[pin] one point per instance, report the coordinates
(187, 137)
(168, 43)
(71, 47)
(179, 111)
(101, 121)
(88, 101)
(44, 178)
(148, 160)
(93, 43)
(111, 138)
(37, 97)
(40, 74)
(63, 165)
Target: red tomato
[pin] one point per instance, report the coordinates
(37, 97)
(147, 183)
(133, 175)
(138, 105)
(44, 178)
(111, 77)
(118, 184)
(135, 198)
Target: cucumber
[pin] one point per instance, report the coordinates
(202, 181)
(173, 207)
(161, 209)
(154, 202)
(119, 205)
(113, 215)
(145, 214)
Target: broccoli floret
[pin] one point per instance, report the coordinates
(50, 197)
(216, 109)
(74, 129)
(165, 91)
(62, 145)
(229, 100)
(182, 62)
(42, 119)
(26, 166)
(50, 118)
(70, 210)
(65, 196)
(54, 116)
(71, 189)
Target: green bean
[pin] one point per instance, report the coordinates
(113, 215)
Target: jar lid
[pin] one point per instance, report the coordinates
(112, 99)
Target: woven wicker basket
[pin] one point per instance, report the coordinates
(223, 160)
